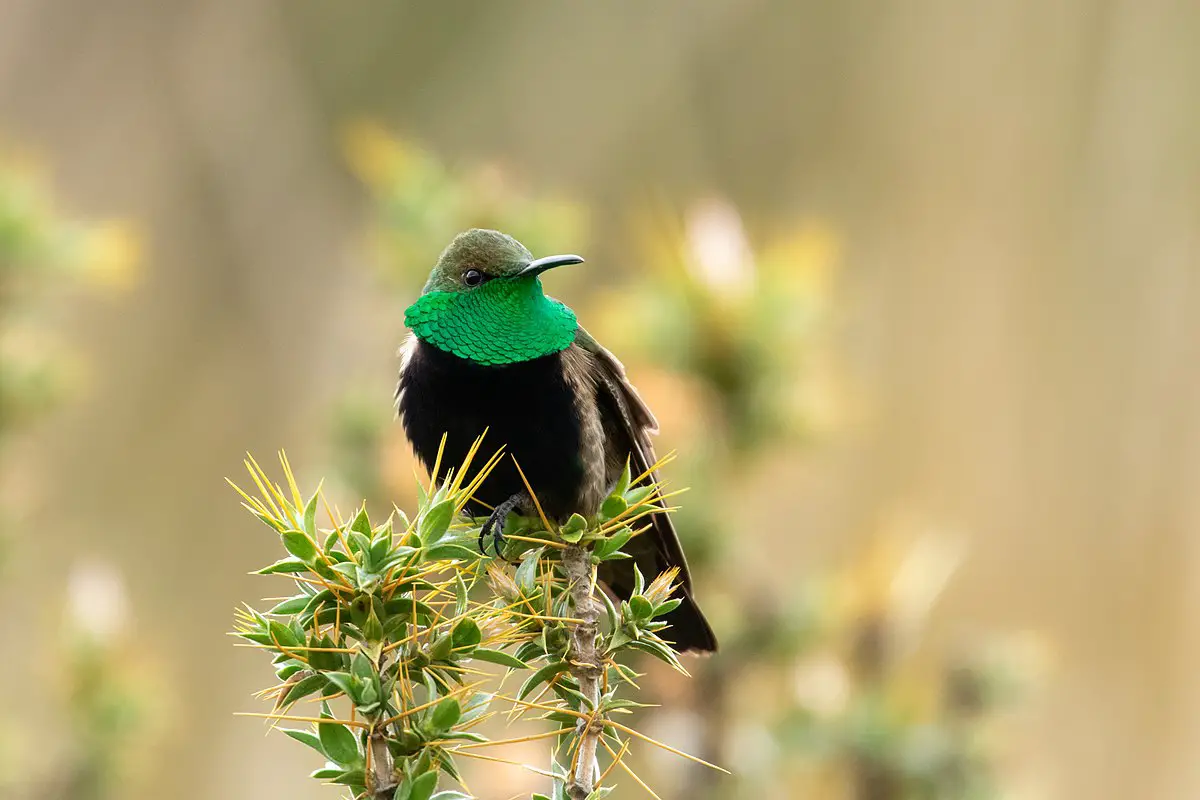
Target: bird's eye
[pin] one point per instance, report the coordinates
(472, 277)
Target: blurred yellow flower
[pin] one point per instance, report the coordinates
(112, 254)
(807, 258)
(900, 577)
(374, 155)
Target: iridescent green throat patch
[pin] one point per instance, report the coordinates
(501, 322)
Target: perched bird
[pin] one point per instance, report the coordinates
(490, 351)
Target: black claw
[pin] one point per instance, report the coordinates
(494, 527)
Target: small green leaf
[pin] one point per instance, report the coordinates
(331, 539)
(559, 790)
(360, 543)
(379, 550)
(441, 648)
(574, 528)
(322, 659)
(350, 629)
(298, 544)
(338, 743)
(445, 714)
(575, 698)
(354, 778)
(310, 517)
(526, 575)
(613, 543)
(450, 795)
(450, 551)
(293, 605)
(450, 769)
(367, 580)
(435, 522)
(398, 555)
(284, 566)
(541, 676)
(667, 606)
(314, 603)
(345, 682)
(288, 670)
(466, 634)
(257, 637)
(361, 523)
(407, 606)
(618, 640)
(302, 688)
(531, 650)
(372, 628)
(610, 610)
(613, 506)
(423, 786)
(498, 657)
(460, 594)
(282, 635)
(562, 718)
(623, 481)
(641, 607)
(362, 668)
(395, 628)
(476, 706)
(614, 705)
(659, 650)
(305, 737)
(638, 496)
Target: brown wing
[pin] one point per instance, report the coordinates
(628, 423)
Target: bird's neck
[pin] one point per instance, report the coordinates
(501, 322)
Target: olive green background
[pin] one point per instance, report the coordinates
(1017, 186)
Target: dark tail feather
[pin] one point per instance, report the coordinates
(689, 631)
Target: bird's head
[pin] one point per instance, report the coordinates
(484, 302)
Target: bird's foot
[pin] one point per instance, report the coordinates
(494, 526)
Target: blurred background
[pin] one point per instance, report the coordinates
(914, 290)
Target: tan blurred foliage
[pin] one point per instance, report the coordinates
(1010, 193)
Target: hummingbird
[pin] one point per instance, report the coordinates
(489, 350)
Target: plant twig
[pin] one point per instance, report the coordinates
(383, 776)
(586, 666)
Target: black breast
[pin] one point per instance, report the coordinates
(528, 407)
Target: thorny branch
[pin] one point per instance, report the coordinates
(586, 666)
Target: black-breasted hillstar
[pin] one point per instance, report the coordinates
(489, 350)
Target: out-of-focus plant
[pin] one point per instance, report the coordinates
(103, 689)
(41, 252)
(108, 697)
(420, 202)
(748, 325)
(866, 714)
(391, 624)
(749, 328)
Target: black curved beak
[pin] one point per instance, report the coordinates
(549, 262)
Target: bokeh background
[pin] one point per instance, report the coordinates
(914, 287)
